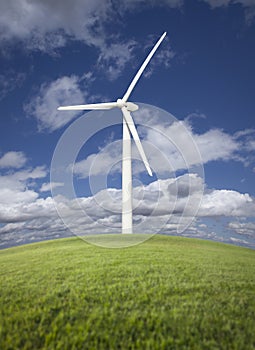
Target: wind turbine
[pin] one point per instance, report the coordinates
(128, 130)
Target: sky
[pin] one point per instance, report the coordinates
(60, 172)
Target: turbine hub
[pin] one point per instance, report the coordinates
(120, 103)
(131, 107)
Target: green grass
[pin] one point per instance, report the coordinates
(167, 293)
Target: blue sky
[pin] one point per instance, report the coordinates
(84, 51)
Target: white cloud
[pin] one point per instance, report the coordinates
(63, 91)
(162, 57)
(46, 187)
(246, 138)
(166, 204)
(26, 174)
(50, 25)
(175, 196)
(11, 227)
(227, 203)
(104, 162)
(67, 90)
(27, 206)
(243, 228)
(163, 205)
(246, 141)
(251, 145)
(238, 241)
(183, 147)
(169, 146)
(114, 57)
(158, 206)
(10, 197)
(13, 159)
(216, 145)
(16, 191)
(45, 25)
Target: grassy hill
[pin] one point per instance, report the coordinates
(168, 293)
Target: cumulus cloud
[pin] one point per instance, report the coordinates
(32, 230)
(17, 189)
(158, 207)
(50, 25)
(106, 161)
(13, 159)
(71, 90)
(186, 148)
(238, 241)
(26, 208)
(243, 228)
(227, 203)
(9, 196)
(246, 141)
(47, 26)
(113, 58)
(19, 200)
(216, 145)
(246, 138)
(63, 91)
(22, 176)
(170, 146)
(167, 205)
(46, 187)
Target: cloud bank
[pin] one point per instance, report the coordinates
(165, 205)
(47, 25)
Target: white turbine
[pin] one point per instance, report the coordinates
(128, 130)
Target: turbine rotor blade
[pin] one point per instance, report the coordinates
(106, 105)
(131, 126)
(142, 68)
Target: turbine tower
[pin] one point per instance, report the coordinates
(129, 130)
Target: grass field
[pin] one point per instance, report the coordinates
(167, 293)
